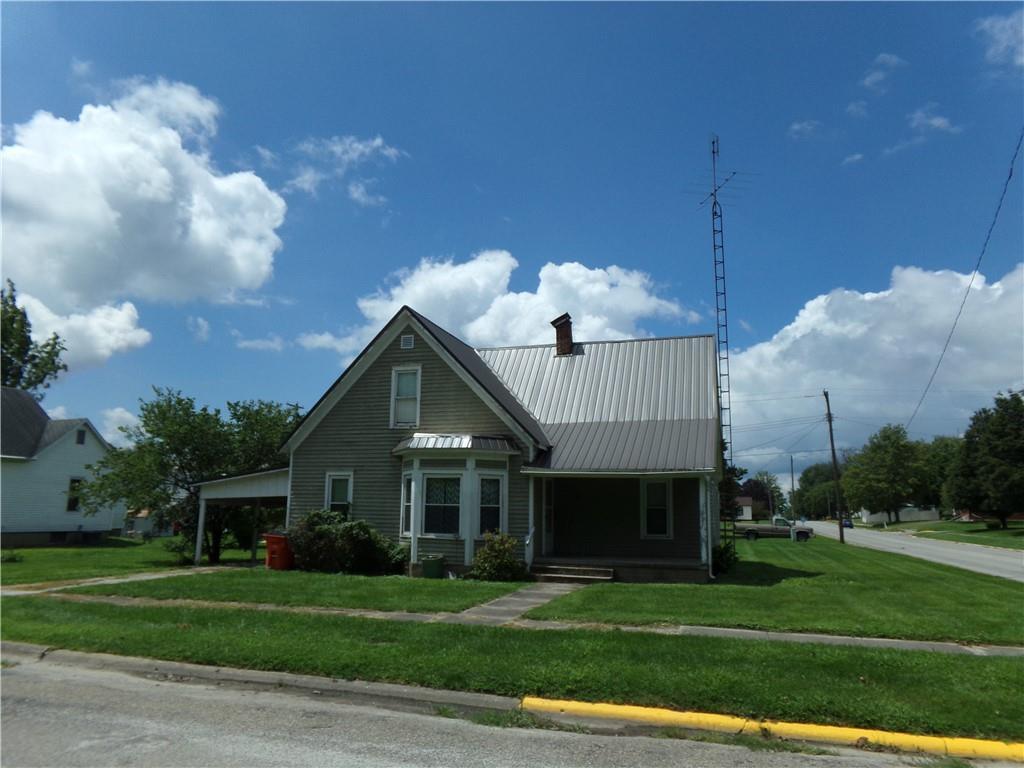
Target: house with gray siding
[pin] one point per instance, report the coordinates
(43, 463)
(589, 453)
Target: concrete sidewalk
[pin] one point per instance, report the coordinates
(45, 587)
(507, 612)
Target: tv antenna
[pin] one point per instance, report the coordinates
(721, 306)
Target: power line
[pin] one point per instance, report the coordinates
(977, 266)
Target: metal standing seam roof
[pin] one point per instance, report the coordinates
(422, 441)
(643, 405)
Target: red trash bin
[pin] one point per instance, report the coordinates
(279, 554)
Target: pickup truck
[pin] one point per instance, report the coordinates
(779, 527)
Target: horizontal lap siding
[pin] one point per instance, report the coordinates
(355, 436)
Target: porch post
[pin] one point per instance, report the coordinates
(703, 520)
(200, 528)
(531, 534)
(414, 514)
(470, 503)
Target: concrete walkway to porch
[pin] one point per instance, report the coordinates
(511, 607)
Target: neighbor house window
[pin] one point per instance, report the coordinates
(405, 397)
(406, 505)
(657, 517)
(441, 504)
(490, 505)
(339, 492)
(73, 489)
(80, 437)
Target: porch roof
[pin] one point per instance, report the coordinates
(426, 442)
(679, 445)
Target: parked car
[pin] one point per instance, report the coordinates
(847, 522)
(778, 528)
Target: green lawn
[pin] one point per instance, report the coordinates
(819, 586)
(895, 690)
(384, 593)
(971, 533)
(114, 557)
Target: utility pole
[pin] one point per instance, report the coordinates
(835, 466)
(792, 489)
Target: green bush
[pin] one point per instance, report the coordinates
(11, 557)
(498, 559)
(724, 558)
(325, 541)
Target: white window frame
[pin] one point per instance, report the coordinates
(502, 477)
(422, 502)
(407, 341)
(337, 475)
(68, 496)
(407, 477)
(394, 393)
(668, 511)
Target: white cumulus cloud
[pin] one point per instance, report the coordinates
(472, 300)
(58, 412)
(857, 108)
(877, 78)
(199, 327)
(113, 420)
(270, 343)
(89, 337)
(124, 202)
(856, 157)
(874, 351)
(803, 129)
(359, 193)
(1004, 38)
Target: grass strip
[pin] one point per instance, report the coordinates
(1012, 537)
(895, 690)
(113, 557)
(818, 586)
(327, 590)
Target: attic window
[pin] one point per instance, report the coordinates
(407, 341)
(80, 437)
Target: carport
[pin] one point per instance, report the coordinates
(255, 489)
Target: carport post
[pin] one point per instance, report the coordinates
(255, 523)
(200, 527)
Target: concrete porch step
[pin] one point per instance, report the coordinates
(572, 574)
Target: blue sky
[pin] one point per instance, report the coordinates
(333, 148)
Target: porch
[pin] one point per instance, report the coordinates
(624, 528)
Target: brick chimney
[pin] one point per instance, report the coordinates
(563, 334)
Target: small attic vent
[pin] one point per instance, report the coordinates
(407, 341)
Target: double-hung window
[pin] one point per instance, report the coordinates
(339, 492)
(406, 505)
(74, 487)
(656, 520)
(405, 397)
(490, 505)
(441, 503)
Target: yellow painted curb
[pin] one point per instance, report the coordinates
(832, 734)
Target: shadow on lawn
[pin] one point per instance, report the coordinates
(746, 574)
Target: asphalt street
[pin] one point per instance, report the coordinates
(1007, 563)
(70, 716)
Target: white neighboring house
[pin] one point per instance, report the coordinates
(746, 505)
(908, 514)
(42, 462)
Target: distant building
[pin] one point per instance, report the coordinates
(42, 464)
(746, 505)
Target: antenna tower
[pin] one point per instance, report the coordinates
(721, 307)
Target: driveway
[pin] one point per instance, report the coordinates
(1007, 563)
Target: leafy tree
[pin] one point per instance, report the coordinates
(176, 445)
(886, 474)
(25, 364)
(764, 489)
(937, 460)
(729, 487)
(816, 496)
(988, 475)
